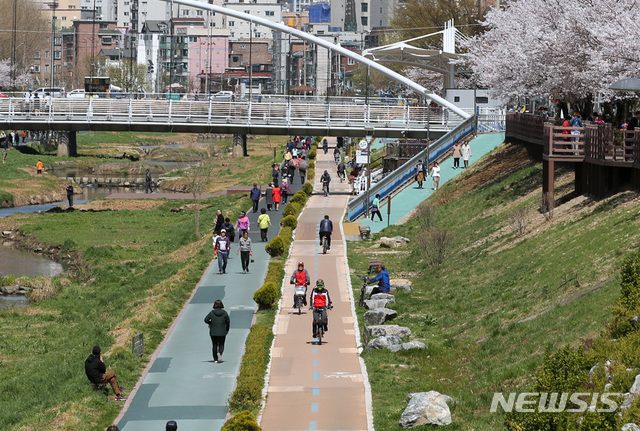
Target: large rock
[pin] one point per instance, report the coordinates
(425, 408)
(401, 283)
(384, 342)
(372, 304)
(635, 388)
(630, 427)
(9, 290)
(407, 346)
(395, 242)
(384, 330)
(379, 316)
(386, 296)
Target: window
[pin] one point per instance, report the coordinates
(106, 40)
(36, 54)
(46, 68)
(199, 12)
(351, 61)
(364, 20)
(185, 12)
(193, 38)
(57, 40)
(46, 54)
(235, 58)
(56, 68)
(57, 55)
(64, 18)
(126, 14)
(248, 12)
(185, 53)
(482, 100)
(364, 7)
(243, 46)
(456, 99)
(270, 13)
(99, 10)
(35, 68)
(232, 23)
(104, 26)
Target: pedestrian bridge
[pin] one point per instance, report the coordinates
(272, 115)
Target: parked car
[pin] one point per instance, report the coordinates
(53, 91)
(76, 94)
(223, 96)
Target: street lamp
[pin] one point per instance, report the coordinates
(53, 5)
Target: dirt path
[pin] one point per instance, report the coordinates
(317, 387)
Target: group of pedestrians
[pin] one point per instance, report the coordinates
(224, 234)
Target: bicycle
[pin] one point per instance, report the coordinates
(363, 291)
(300, 292)
(325, 244)
(319, 321)
(325, 188)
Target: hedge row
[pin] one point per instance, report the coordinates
(243, 421)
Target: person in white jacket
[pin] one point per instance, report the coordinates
(435, 174)
(466, 153)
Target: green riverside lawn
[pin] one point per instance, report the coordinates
(467, 310)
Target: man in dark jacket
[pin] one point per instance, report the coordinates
(255, 197)
(147, 182)
(69, 190)
(219, 323)
(326, 228)
(97, 373)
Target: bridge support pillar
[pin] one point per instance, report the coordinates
(67, 145)
(548, 182)
(240, 145)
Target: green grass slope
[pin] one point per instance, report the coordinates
(513, 285)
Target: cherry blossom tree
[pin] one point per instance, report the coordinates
(565, 49)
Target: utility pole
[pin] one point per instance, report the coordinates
(250, 60)
(53, 5)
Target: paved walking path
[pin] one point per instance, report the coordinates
(314, 387)
(182, 382)
(409, 198)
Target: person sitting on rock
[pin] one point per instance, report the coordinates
(384, 286)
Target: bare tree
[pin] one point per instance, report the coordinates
(435, 243)
(519, 220)
(426, 215)
(198, 177)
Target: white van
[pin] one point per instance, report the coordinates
(53, 91)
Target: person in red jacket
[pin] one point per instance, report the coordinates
(320, 299)
(277, 195)
(300, 278)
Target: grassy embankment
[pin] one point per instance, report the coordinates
(499, 300)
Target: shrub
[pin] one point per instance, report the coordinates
(243, 421)
(275, 273)
(248, 392)
(312, 154)
(435, 244)
(299, 197)
(311, 174)
(6, 199)
(266, 296)
(275, 247)
(312, 165)
(286, 234)
(307, 188)
(290, 221)
(292, 208)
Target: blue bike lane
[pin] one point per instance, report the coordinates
(182, 382)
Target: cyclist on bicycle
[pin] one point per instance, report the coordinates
(320, 299)
(325, 179)
(336, 154)
(326, 229)
(300, 278)
(384, 286)
(325, 146)
(341, 170)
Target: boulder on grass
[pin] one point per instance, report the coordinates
(386, 296)
(425, 408)
(384, 330)
(372, 304)
(379, 316)
(635, 388)
(384, 342)
(395, 242)
(407, 346)
(401, 284)
(630, 427)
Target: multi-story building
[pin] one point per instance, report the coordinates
(361, 15)
(241, 29)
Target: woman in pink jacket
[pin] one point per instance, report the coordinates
(243, 224)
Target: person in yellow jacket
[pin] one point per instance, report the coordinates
(39, 166)
(264, 221)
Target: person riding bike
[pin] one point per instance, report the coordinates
(336, 154)
(320, 299)
(341, 170)
(384, 286)
(326, 229)
(325, 179)
(300, 278)
(325, 146)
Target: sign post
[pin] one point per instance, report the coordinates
(388, 209)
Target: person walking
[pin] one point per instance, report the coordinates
(255, 197)
(218, 222)
(435, 174)
(303, 165)
(244, 248)
(264, 221)
(244, 224)
(69, 190)
(228, 226)
(375, 207)
(219, 324)
(466, 154)
(39, 166)
(456, 155)
(268, 196)
(147, 182)
(277, 196)
(275, 173)
(222, 247)
(420, 179)
(286, 191)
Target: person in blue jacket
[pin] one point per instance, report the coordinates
(384, 286)
(255, 197)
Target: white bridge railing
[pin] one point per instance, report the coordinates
(276, 112)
